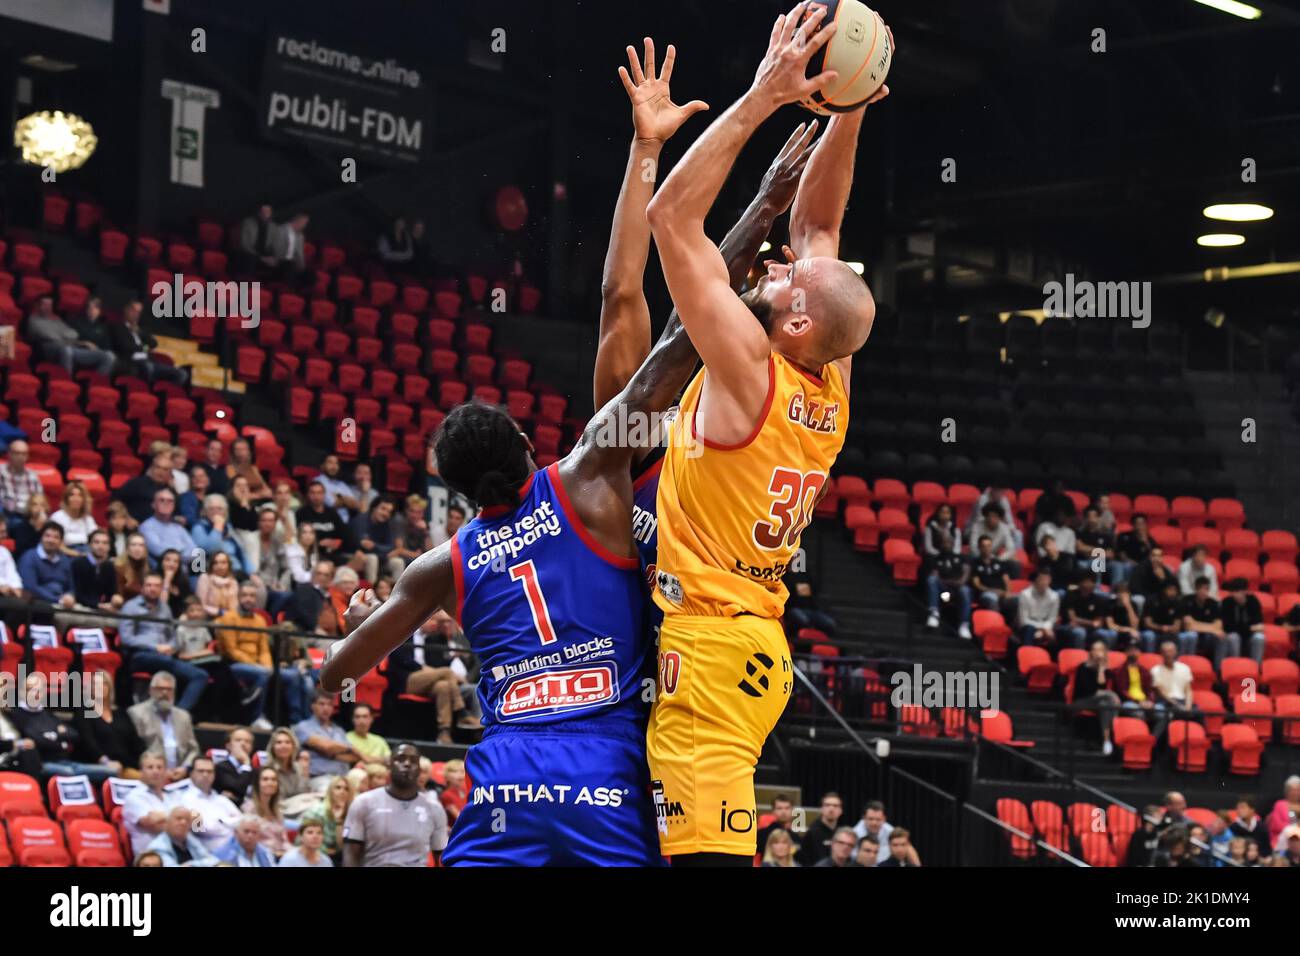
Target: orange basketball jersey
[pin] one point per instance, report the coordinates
(730, 516)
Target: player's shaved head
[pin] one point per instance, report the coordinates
(814, 310)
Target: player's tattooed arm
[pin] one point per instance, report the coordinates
(426, 585)
(624, 339)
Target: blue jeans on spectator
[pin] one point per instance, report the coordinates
(934, 588)
(799, 617)
(194, 679)
(73, 357)
(1159, 715)
(291, 682)
(97, 772)
(990, 600)
(1188, 642)
(1148, 640)
(1075, 635)
(1026, 635)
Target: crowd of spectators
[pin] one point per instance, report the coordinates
(786, 839)
(1169, 837)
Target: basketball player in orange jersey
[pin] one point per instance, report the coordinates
(771, 410)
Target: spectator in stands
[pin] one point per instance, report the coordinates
(27, 534)
(308, 852)
(245, 848)
(942, 523)
(266, 562)
(383, 588)
(1104, 515)
(779, 849)
(1055, 506)
(422, 263)
(455, 794)
(217, 589)
(119, 526)
(1237, 851)
(1203, 625)
(372, 531)
(801, 608)
(75, 518)
(242, 466)
(131, 566)
(17, 752)
(446, 530)
(1162, 616)
(312, 608)
(331, 754)
(874, 825)
(214, 455)
(331, 533)
(1001, 535)
(165, 728)
(58, 743)
(422, 665)
(215, 815)
(1093, 541)
(107, 733)
(176, 583)
(92, 331)
(1003, 500)
(285, 503)
(291, 764)
(243, 518)
(1085, 610)
(1243, 623)
(989, 575)
(300, 556)
(396, 247)
(1132, 548)
(1037, 609)
(1250, 826)
(382, 830)
(255, 241)
(1172, 849)
(901, 851)
(339, 495)
(816, 844)
(46, 571)
(843, 847)
(372, 748)
(1197, 836)
(1131, 682)
(1061, 565)
(138, 493)
(189, 506)
(235, 771)
(216, 535)
(17, 483)
(1285, 812)
(133, 345)
(782, 818)
(57, 341)
(148, 631)
(1173, 680)
(11, 582)
(180, 469)
(363, 486)
(869, 851)
(411, 530)
(334, 811)
(289, 248)
(1059, 531)
(1289, 846)
(1145, 840)
(243, 643)
(1175, 810)
(264, 803)
(1196, 567)
(177, 844)
(1123, 618)
(1091, 691)
(1291, 623)
(161, 531)
(949, 573)
(146, 808)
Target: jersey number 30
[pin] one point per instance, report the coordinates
(527, 573)
(796, 495)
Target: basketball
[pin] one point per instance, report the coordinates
(860, 52)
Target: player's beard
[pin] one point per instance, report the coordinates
(760, 307)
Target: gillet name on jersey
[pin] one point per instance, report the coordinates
(812, 414)
(511, 538)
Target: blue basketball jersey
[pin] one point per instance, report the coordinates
(556, 620)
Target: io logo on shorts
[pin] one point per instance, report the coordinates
(558, 691)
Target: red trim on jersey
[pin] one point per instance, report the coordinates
(651, 472)
(762, 416)
(496, 511)
(815, 379)
(457, 574)
(626, 564)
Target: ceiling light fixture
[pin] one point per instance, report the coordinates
(1238, 212)
(1220, 239)
(60, 141)
(1243, 10)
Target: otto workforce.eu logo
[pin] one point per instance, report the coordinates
(78, 910)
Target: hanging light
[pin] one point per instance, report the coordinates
(58, 140)
(1238, 212)
(1219, 239)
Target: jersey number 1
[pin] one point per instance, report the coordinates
(527, 573)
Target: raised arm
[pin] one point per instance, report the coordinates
(427, 584)
(624, 314)
(733, 346)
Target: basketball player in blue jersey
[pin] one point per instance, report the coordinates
(624, 340)
(546, 583)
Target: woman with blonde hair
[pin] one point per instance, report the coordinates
(334, 811)
(75, 516)
(264, 803)
(217, 587)
(131, 566)
(780, 849)
(27, 533)
(119, 521)
(454, 795)
(283, 754)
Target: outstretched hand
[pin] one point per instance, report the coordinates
(781, 77)
(655, 117)
(781, 181)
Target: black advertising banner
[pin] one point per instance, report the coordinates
(334, 96)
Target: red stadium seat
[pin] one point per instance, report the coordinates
(1257, 712)
(1097, 850)
(1133, 738)
(1187, 512)
(861, 520)
(1190, 745)
(20, 795)
(891, 493)
(1244, 747)
(1288, 706)
(997, 727)
(1049, 822)
(442, 333)
(1122, 824)
(1280, 676)
(65, 812)
(1213, 712)
(113, 246)
(95, 843)
(1282, 577)
(1279, 545)
(1035, 665)
(1155, 507)
(38, 841)
(1226, 513)
(991, 630)
(1241, 543)
(903, 559)
(1013, 813)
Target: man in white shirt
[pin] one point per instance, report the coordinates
(873, 824)
(1172, 678)
(397, 825)
(1198, 567)
(216, 816)
(1037, 610)
(145, 810)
